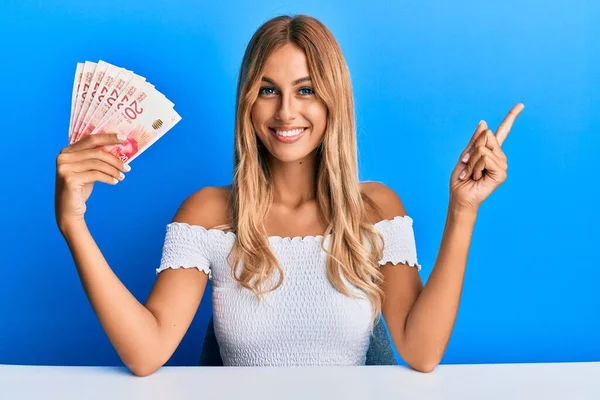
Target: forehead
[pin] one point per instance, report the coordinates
(286, 64)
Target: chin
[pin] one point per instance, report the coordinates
(292, 155)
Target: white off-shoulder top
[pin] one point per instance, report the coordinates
(306, 321)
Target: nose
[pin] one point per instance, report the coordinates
(286, 109)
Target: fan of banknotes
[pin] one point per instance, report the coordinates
(110, 99)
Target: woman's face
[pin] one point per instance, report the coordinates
(287, 116)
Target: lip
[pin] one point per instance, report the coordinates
(288, 139)
(287, 127)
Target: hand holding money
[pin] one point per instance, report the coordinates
(107, 98)
(115, 116)
(77, 168)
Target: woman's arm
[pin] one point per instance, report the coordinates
(481, 169)
(144, 336)
(131, 328)
(430, 320)
(420, 319)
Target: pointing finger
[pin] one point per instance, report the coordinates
(507, 123)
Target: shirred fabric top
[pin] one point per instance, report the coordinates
(305, 321)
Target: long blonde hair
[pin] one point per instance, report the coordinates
(340, 201)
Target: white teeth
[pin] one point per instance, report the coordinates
(293, 132)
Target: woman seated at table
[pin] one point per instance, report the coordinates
(303, 258)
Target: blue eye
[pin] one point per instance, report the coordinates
(267, 91)
(310, 91)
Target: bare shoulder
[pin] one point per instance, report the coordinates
(207, 207)
(384, 201)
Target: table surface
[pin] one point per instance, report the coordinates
(546, 381)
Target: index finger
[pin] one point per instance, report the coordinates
(504, 128)
(93, 141)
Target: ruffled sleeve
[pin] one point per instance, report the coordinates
(186, 246)
(399, 241)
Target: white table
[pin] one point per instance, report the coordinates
(547, 381)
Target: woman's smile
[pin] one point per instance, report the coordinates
(288, 135)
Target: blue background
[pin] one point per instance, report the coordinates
(424, 74)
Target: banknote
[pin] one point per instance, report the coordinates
(78, 73)
(109, 99)
(137, 87)
(111, 104)
(103, 70)
(144, 120)
(104, 101)
(84, 85)
(97, 77)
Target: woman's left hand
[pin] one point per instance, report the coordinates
(483, 165)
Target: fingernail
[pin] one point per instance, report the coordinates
(126, 167)
(480, 122)
(121, 175)
(462, 174)
(466, 157)
(120, 136)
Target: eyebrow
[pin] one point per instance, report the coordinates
(297, 81)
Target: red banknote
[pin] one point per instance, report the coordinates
(111, 99)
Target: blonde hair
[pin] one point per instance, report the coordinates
(340, 201)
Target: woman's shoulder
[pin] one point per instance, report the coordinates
(382, 202)
(207, 207)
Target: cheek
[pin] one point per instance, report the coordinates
(317, 113)
(260, 113)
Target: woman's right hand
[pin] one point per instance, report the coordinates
(78, 166)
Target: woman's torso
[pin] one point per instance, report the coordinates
(306, 321)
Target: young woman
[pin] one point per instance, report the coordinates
(303, 257)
